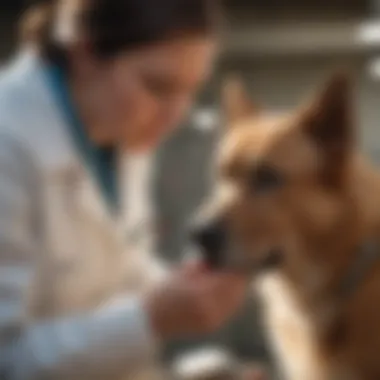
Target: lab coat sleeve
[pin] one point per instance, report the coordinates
(104, 344)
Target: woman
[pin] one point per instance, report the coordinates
(100, 78)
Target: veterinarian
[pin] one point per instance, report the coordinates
(95, 80)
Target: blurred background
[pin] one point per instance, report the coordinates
(282, 52)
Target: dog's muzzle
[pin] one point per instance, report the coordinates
(213, 242)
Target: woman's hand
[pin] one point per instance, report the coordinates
(254, 372)
(195, 301)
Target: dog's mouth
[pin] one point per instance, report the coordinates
(270, 261)
(220, 252)
(242, 263)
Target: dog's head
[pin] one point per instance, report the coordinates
(281, 179)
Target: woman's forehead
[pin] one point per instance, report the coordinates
(182, 56)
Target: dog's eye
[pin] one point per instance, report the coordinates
(265, 179)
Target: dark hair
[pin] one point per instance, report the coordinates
(113, 26)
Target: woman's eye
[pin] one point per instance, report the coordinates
(266, 179)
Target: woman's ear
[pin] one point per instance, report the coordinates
(236, 102)
(329, 121)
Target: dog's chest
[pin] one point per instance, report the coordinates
(291, 333)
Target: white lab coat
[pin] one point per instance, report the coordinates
(64, 261)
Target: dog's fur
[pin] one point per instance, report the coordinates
(296, 183)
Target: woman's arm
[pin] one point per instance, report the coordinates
(107, 343)
(104, 344)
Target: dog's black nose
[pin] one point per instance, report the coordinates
(211, 239)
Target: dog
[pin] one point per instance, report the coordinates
(298, 204)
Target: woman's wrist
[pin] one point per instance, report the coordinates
(156, 318)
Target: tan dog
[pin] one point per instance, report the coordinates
(296, 199)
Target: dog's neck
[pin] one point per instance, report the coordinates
(365, 184)
(318, 275)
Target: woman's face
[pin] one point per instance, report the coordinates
(142, 96)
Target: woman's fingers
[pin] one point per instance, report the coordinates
(254, 373)
(195, 300)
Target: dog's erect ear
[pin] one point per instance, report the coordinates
(235, 101)
(328, 120)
